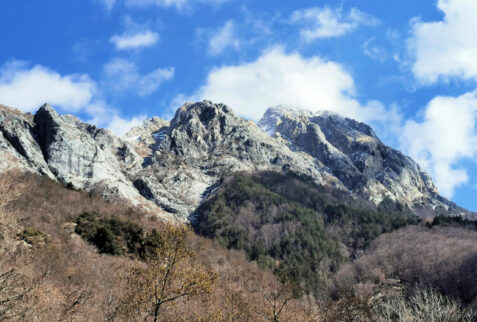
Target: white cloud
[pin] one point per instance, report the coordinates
(278, 78)
(28, 87)
(326, 22)
(131, 41)
(105, 116)
(120, 126)
(224, 37)
(446, 48)
(445, 136)
(121, 75)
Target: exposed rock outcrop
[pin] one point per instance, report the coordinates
(356, 156)
(170, 167)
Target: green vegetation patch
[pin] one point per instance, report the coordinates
(286, 222)
(455, 221)
(111, 236)
(33, 236)
(116, 236)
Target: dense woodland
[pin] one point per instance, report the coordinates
(265, 247)
(301, 231)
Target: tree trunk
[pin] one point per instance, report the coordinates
(156, 311)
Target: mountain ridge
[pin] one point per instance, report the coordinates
(170, 167)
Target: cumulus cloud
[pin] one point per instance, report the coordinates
(279, 78)
(445, 136)
(136, 40)
(121, 75)
(222, 38)
(27, 87)
(446, 48)
(326, 22)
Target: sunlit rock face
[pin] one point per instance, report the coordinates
(356, 157)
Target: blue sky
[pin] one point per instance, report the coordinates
(406, 67)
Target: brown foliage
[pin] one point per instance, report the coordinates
(442, 257)
(65, 278)
(349, 308)
(172, 273)
(49, 273)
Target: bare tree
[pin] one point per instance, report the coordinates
(423, 305)
(276, 295)
(173, 272)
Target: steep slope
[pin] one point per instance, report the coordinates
(71, 152)
(303, 236)
(355, 155)
(170, 166)
(18, 146)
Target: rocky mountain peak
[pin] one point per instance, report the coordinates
(205, 112)
(274, 116)
(354, 154)
(200, 128)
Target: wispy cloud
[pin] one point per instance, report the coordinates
(223, 38)
(105, 116)
(108, 4)
(27, 87)
(326, 22)
(374, 51)
(121, 75)
(179, 5)
(277, 78)
(136, 40)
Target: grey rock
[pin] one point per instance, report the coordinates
(356, 156)
(18, 143)
(203, 142)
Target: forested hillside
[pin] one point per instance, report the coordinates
(301, 230)
(70, 255)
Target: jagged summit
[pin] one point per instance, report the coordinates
(273, 116)
(175, 165)
(148, 136)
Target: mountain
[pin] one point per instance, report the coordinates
(356, 156)
(169, 168)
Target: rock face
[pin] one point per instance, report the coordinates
(18, 145)
(203, 142)
(355, 155)
(170, 167)
(84, 156)
(69, 151)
